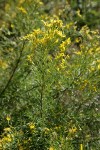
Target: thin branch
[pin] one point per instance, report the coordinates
(13, 72)
(35, 86)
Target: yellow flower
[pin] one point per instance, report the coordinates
(22, 10)
(51, 148)
(81, 46)
(40, 3)
(21, 1)
(29, 58)
(78, 53)
(46, 130)
(7, 129)
(69, 25)
(98, 49)
(78, 13)
(99, 67)
(95, 89)
(8, 118)
(67, 56)
(25, 141)
(58, 127)
(77, 40)
(12, 25)
(7, 138)
(37, 32)
(32, 126)
(64, 44)
(68, 41)
(73, 130)
(88, 136)
(48, 71)
(59, 33)
(57, 40)
(62, 47)
(98, 60)
(3, 64)
(81, 146)
(27, 37)
(91, 69)
(58, 68)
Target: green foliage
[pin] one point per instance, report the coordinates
(50, 77)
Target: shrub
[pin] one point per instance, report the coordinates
(50, 81)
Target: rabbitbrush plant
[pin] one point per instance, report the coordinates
(50, 78)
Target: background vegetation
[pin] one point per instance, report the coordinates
(49, 75)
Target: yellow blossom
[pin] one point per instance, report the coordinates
(62, 66)
(99, 67)
(81, 46)
(85, 82)
(68, 41)
(48, 70)
(85, 30)
(46, 130)
(69, 25)
(78, 39)
(64, 44)
(73, 130)
(78, 53)
(95, 89)
(27, 37)
(44, 40)
(88, 136)
(7, 129)
(92, 69)
(62, 47)
(78, 13)
(7, 138)
(98, 60)
(60, 55)
(89, 36)
(32, 126)
(22, 10)
(8, 118)
(12, 25)
(57, 40)
(81, 146)
(63, 61)
(3, 64)
(29, 58)
(58, 68)
(40, 3)
(54, 22)
(59, 33)
(51, 148)
(90, 51)
(37, 31)
(67, 56)
(95, 32)
(21, 1)
(58, 127)
(25, 141)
